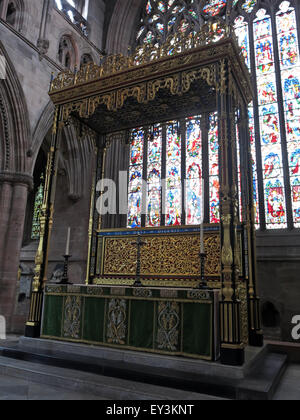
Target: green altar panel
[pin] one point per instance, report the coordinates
(93, 320)
(166, 321)
(141, 331)
(53, 315)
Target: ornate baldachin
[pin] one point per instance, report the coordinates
(176, 44)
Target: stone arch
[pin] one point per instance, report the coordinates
(86, 58)
(41, 131)
(15, 127)
(67, 52)
(122, 26)
(14, 14)
(75, 156)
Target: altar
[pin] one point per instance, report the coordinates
(166, 321)
(198, 285)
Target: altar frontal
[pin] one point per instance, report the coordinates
(177, 273)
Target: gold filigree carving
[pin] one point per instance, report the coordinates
(169, 255)
(168, 323)
(176, 44)
(227, 254)
(72, 317)
(117, 321)
(242, 296)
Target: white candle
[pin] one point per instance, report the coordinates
(202, 219)
(68, 242)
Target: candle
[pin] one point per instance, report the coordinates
(68, 242)
(202, 220)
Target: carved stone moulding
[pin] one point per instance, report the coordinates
(17, 178)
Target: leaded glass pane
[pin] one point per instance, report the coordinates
(290, 76)
(135, 178)
(154, 176)
(173, 174)
(214, 181)
(193, 171)
(275, 204)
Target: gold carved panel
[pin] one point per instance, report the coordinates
(163, 255)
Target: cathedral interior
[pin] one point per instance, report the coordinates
(78, 108)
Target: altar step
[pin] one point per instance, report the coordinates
(146, 376)
(84, 383)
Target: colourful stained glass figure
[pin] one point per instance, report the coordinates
(290, 76)
(135, 178)
(154, 176)
(214, 181)
(193, 171)
(37, 211)
(214, 7)
(173, 174)
(149, 7)
(275, 202)
(242, 33)
(295, 183)
(270, 131)
(184, 25)
(162, 6)
(249, 5)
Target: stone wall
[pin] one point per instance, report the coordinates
(278, 256)
(32, 49)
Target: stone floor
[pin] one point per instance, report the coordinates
(21, 389)
(16, 389)
(289, 388)
(13, 389)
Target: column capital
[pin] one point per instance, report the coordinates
(17, 178)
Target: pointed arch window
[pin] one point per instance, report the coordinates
(269, 37)
(269, 40)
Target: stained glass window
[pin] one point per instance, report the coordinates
(274, 124)
(170, 157)
(242, 32)
(162, 18)
(290, 76)
(38, 202)
(270, 132)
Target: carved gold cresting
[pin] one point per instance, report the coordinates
(148, 53)
(144, 92)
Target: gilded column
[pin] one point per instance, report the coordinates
(232, 347)
(33, 324)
